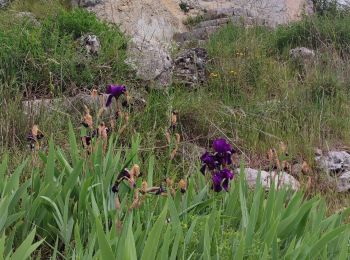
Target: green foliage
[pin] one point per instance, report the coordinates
(262, 96)
(316, 32)
(48, 58)
(72, 207)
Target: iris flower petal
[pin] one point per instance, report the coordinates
(221, 146)
(114, 91)
(109, 100)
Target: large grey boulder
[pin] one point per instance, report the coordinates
(150, 60)
(281, 179)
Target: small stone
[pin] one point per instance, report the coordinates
(301, 54)
(91, 44)
(297, 169)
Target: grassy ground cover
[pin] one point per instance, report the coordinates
(256, 97)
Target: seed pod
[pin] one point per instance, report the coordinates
(169, 182)
(283, 148)
(144, 187)
(135, 170)
(174, 118)
(168, 137)
(178, 138)
(182, 185)
(270, 155)
(87, 120)
(94, 93)
(136, 201)
(305, 168)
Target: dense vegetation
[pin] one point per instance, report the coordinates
(67, 208)
(58, 201)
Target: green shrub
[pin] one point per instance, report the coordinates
(48, 58)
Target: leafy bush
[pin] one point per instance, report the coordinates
(48, 58)
(70, 202)
(316, 32)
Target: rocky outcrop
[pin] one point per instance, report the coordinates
(281, 179)
(3, 3)
(86, 3)
(152, 24)
(337, 165)
(35, 107)
(190, 67)
(334, 162)
(150, 61)
(343, 182)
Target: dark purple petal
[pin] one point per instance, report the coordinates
(226, 174)
(216, 179)
(225, 184)
(203, 168)
(209, 160)
(115, 90)
(221, 179)
(109, 100)
(221, 146)
(30, 137)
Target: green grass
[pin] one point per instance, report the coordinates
(268, 99)
(255, 97)
(65, 209)
(48, 59)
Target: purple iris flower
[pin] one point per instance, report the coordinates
(223, 151)
(221, 179)
(209, 161)
(221, 146)
(114, 91)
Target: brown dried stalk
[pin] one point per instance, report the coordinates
(170, 185)
(88, 118)
(136, 202)
(305, 168)
(103, 134)
(177, 141)
(126, 121)
(94, 93)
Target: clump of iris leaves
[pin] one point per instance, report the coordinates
(66, 209)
